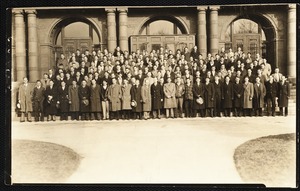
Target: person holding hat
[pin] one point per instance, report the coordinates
(157, 98)
(146, 97)
(227, 96)
(84, 97)
(198, 93)
(136, 98)
(95, 98)
(51, 99)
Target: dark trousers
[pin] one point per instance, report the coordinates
(285, 111)
(248, 112)
(227, 112)
(137, 115)
(258, 111)
(63, 116)
(209, 112)
(238, 111)
(38, 109)
(75, 115)
(188, 105)
(201, 111)
(271, 103)
(85, 116)
(217, 108)
(114, 115)
(95, 115)
(126, 114)
(179, 107)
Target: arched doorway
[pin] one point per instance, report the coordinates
(162, 31)
(254, 34)
(75, 33)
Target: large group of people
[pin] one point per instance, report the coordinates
(141, 85)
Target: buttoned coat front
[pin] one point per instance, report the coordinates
(169, 92)
(248, 95)
(74, 98)
(126, 97)
(25, 98)
(114, 96)
(95, 97)
(146, 97)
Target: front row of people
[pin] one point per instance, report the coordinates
(132, 100)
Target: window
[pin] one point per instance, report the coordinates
(161, 27)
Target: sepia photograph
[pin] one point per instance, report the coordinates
(200, 94)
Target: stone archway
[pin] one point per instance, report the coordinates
(271, 34)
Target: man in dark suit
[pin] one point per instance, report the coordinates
(227, 96)
(283, 96)
(271, 94)
(258, 97)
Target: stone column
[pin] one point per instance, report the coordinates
(291, 41)
(201, 35)
(20, 49)
(123, 37)
(32, 46)
(214, 30)
(111, 29)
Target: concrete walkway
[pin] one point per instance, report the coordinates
(156, 151)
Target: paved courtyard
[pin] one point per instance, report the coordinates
(155, 151)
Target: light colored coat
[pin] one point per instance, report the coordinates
(74, 98)
(146, 97)
(248, 93)
(169, 91)
(25, 98)
(114, 94)
(126, 97)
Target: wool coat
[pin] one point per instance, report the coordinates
(136, 96)
(248, 95)
(126, 97)
(50, 108)
(38, 96)
(114, 95)
(25, 98)
(63, 98)
(259, 95)
(227, 95)
(169, 92)
(146, 97)
(95, 98)
(283, 94)
(238, 93)
(157, 94)
(209, 95)
(84, 94)
(198, 91)
(74, 99)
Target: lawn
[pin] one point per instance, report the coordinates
(270, 160)
(42, 162)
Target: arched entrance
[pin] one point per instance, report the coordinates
(254, 34)
(74, 33)
(162, 31)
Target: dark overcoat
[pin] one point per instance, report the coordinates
(209, 95)
(157, 95)
(283, 94)
(74, 98)
(84, 94)
(271, 89)
(63, 98)
(136, 96)
(259, 95)
(238, 92)
(95, 98)
(198, 91)
(38, 96)
(227, 95)
(218, 92)
(50, 106)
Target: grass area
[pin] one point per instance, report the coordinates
(270, 160)
(42, 162)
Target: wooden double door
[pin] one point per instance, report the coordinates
(70, 45)
(248, 42)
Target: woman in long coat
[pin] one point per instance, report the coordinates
(157, 96)
(258, 96)
(63, 100)
(209, 96)
(74, 100)
(95, 97)
(25, 100)
(114, 95)
(137, 97)
(283, 95)
(248, 95)
(170, 99)
(51, 100)
(238, 91)
(146, 97)
(126, 99)
(84, 97)
(227, 96)
(198, 92)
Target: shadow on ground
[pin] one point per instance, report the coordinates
(270, 160)
(42, 162)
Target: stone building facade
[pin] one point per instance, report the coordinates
(38, 33)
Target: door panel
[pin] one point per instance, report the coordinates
(70, 45)
(248, 42)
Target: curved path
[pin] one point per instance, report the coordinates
(156, 151)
